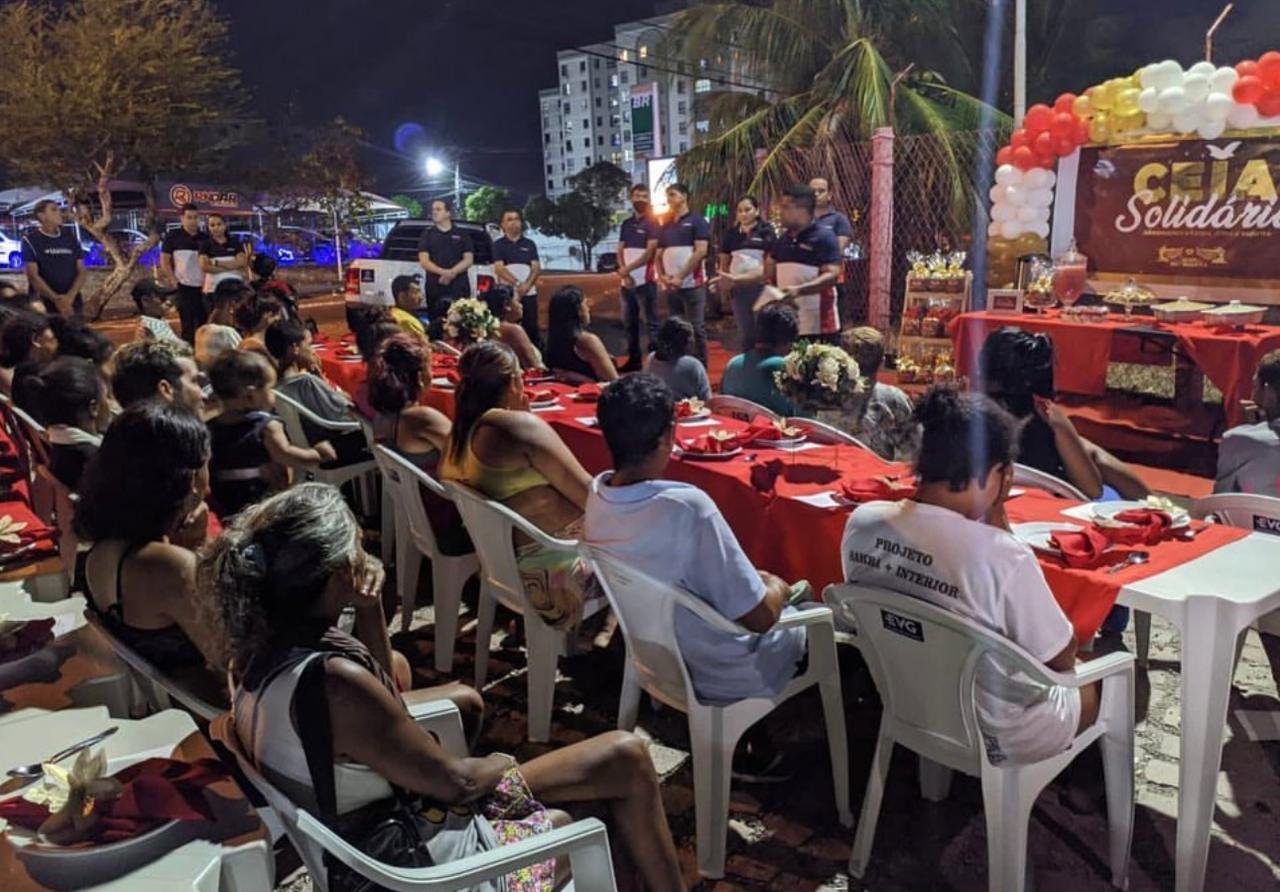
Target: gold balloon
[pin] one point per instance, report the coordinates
(1104, 97)
(1082, 106)
(1126, 103)
(1100, 127)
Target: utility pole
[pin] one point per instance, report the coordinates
(457, 187)
(1019, 61)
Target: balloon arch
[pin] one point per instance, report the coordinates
(1204, 100)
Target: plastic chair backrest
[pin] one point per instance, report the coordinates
(403, 478)
(64, 514)
(646, 611)
(821, 432)
(1027, 476)
(1244, 510)
(490, 525)
(34, 433)
(740, 408)
(924, 660)
(293, 413)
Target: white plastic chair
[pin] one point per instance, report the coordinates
(64, 513)
(387, 502)
(740, 408)
(37, 442)
(646, 611)
(293, 412)
(924, 661)
(821, 432)
(415, 539)
(156, 689)
(1027, 476)
(491, 526)
(585, 842)
(1247, 511)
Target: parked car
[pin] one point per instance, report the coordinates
(368, 279)
(10, 251)
(607, 262)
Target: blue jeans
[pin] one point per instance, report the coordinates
(641, 298)
(691, 303)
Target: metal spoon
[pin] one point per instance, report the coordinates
(1133, 560)
(37, 768)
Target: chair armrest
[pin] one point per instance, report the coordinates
(1095, 670)
(808, 615)
(441, 718)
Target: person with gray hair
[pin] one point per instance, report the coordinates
(307, 696)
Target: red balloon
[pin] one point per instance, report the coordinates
(1048, 160)
(1038, 117)
(1247, 68)
(1248, 89)
(1019, 139)
(1269, 104)
(1043, 145)
(1004, 156)
(1024, 158)
(1064, 146)
(1065, 103)
(1063, 126)
(1082, 132)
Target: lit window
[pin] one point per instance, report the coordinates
(613, 103)
(627, 155)
(702, 63)
(703, 126)
(625, 55)
(702, 85)
(644, 52)
(568, 89)
(613, 80)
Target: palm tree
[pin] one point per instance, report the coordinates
(831, 72)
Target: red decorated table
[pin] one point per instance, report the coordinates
(1083, 350)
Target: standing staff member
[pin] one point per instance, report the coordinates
(515, 262)
(222, 255)
(741, 262)
(637, 245)
(828, 217)
(180, 267)
(804, 263)
(682, 247)
(53, 260)
(446, 254)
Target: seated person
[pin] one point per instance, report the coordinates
(250, 454)
(972, 565)
(142, 505)
(750, 375)
(368, 339)
(505, 307)
(1249, 457)
(164, 370)
(627, 508)
(407, 294)
(289, 342)
(305, 693)
(507, 453)
(672, 361)
(886, 422)
(1015, 368)
(67, 396)
(12, 300)
(154, 303)
(267, 284)
(27, 340)
(254, 316)
(219, 333)
(76, 338)
(570, 347)
(396, 384)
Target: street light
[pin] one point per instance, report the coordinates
(435, 167)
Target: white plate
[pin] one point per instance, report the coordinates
(791, 443)
(1108, 511)
(711, 456)
(1037, 534)
(543, 404)
(702, 413)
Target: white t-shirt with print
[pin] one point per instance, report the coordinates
(987, 575)
(675, 534)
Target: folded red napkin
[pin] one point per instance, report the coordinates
(685, 409)
(589, 393)
(1082, 549)
(539, 396)
(534, 375)
(451, 376)
(769, 432)
(877, 489)
(154, 792)
(1145, 526)
(709, 445)
(444, 360)
(29, 637)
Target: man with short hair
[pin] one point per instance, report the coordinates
(164, 369)
(516, 263)
(637, 246)
(826, 216)
(750, 374)
(54, 261)
(1249, 457)
(683, 243)
(153, 302)
(804, 264)
(674, 533)
(180, 268)
(407, 294)
(445, 253)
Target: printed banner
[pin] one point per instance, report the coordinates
(1194, 209)
(644, 120)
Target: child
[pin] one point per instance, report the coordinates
(250, 453)
(254, 316)
(153, 303)
(673, 362)
(219, 333)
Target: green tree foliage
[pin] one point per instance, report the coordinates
(410, 204)
(603, 185)
(485, 205)
(570, 216)
(96, 89)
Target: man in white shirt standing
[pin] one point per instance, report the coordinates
(683, 243)
(180, 268)
(804, 265)
(675, 534)
(1249, 457)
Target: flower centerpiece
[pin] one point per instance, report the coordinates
(820, 378)
(469, 321)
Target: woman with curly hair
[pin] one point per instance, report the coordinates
(397, 380)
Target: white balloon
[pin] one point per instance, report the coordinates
(1166, 74)
(1018, 195)
(1042, 198)
(1208, 69)
(1211, 129)
(1217, 106)
(1148, 74)
(1196, 86)
(1028, 214)
(1223, 80)
(1243, 116)
(1037, 178)
(1040, 230)
(993, 230)
(1007, 174)
(1002, 213)
(1158, 121)
(1011, 230)
(1172, 100)
(1186, 121)
(1148, 99)
(1000, 195)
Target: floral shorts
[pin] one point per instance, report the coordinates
(515, 815)
(557, 583)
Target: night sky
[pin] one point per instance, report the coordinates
(468, 72)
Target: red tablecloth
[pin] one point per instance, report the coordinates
(342, 363)
(1228, 359)
(15, 502)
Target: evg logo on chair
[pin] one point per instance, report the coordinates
(902, 625)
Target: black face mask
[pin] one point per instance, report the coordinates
(640, 206)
